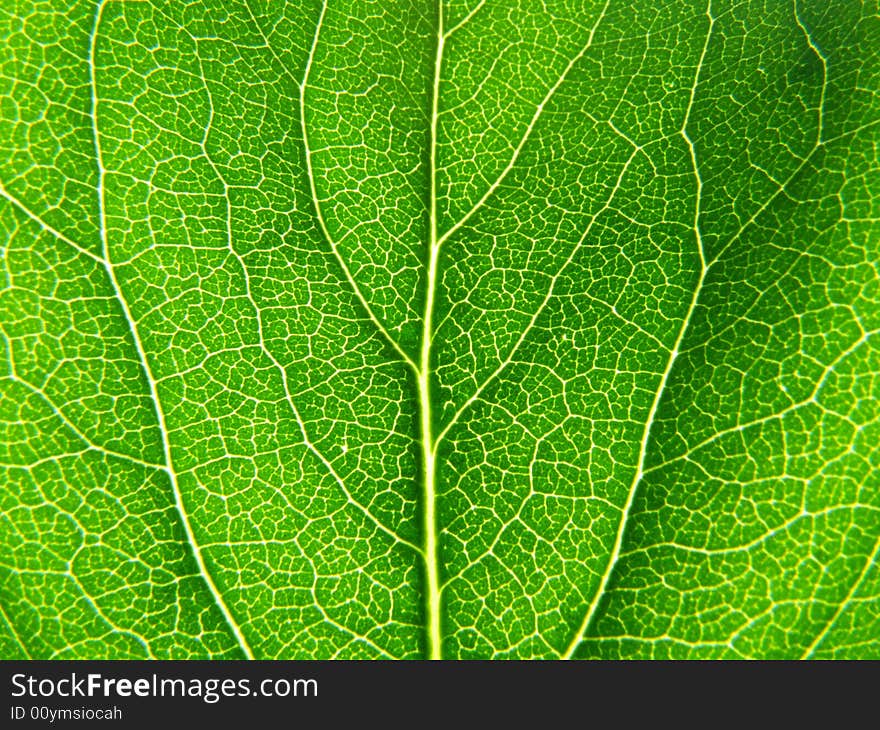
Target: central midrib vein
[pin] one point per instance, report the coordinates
(432, 597)
(422, 370)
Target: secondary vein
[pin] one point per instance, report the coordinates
(133, 329)
(263, 344)
(503, 364)
(316, 200)
(670, 362)
(46, 227)
(860, 578)
(14, 632)
(539, 110)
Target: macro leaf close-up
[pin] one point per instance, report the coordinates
(458, 329)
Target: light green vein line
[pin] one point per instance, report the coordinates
(782, 187)
(80, 435)
(820, 111)
(434, 597)
(317, 202)
(812, 398)
(669, 640)
(531, 126)
(345, 630)
(673, 355)
(757, 541)
(872, 558)
(258, 317)
(92, 602)
(464, 20)
(14, 632)
(132, 326)
(543, 305)
(46, 227)
(432, 557)
(819, 142)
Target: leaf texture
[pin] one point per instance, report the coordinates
(462, 329)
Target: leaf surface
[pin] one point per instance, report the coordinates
(345, 328)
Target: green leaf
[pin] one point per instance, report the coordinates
(462, 329)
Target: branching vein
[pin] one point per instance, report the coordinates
(670, 362)
(135, 335)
